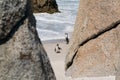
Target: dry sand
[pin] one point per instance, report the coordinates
(58, 61)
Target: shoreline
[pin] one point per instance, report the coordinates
(52, 41)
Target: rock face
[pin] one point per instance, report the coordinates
(0, 8)
(95, 45)
(22, 56)
(49, 6)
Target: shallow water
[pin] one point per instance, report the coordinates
(54, 26)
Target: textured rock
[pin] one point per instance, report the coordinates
(0, 8)
(95, 46)
(49, 6)
(12, 13)
(22, 56)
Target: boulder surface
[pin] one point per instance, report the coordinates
(49, 6)
(95, 45)
(22, 56)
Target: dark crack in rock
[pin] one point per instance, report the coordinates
(95, 46)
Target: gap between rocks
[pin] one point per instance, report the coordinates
(94, 36)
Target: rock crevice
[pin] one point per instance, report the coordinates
(95, 46)
(110, 27)
(94, 36)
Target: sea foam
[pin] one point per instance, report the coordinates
(54, 26)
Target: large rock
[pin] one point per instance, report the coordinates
(95, 46)
(0, 8)
(22, 56)
(49, 6)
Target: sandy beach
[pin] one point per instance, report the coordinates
(58, 61)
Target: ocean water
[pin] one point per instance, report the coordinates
(54, 26)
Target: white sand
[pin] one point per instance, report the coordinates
(58, 62)
(57, 59)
